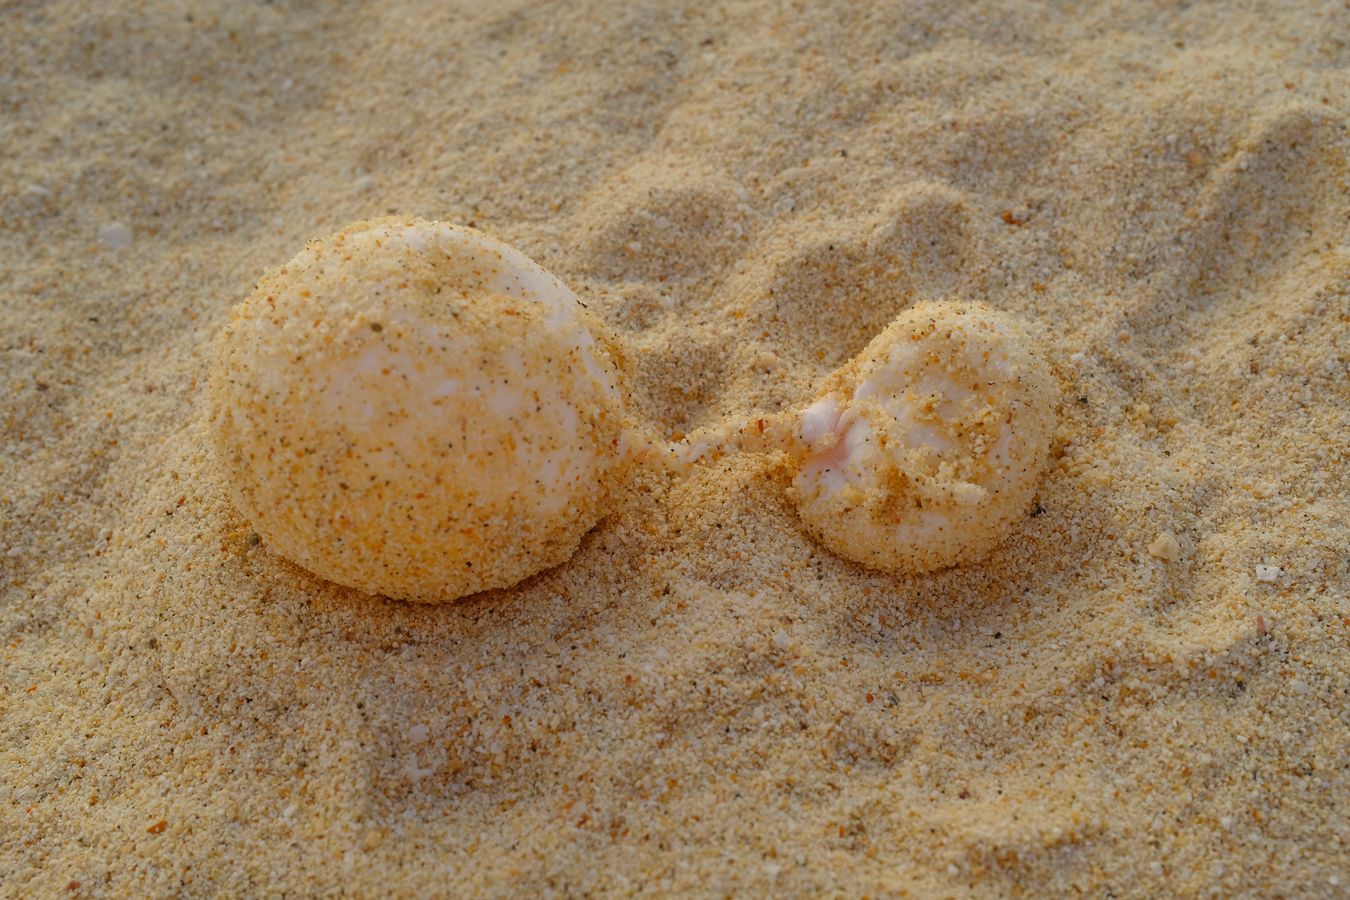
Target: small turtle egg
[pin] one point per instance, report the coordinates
(415, 409)
(929, 445)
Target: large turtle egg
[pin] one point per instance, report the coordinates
(415, 409)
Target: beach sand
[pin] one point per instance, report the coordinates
(1142, 692)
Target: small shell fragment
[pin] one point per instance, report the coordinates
(1268, 574)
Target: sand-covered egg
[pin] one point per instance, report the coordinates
(929, 445)
(415, 409)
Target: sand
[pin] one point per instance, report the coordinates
(1141, 692)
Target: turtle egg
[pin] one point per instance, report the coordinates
(415, 409)
(926, 448)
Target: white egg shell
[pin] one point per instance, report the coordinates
(929, 446)
(415, 409)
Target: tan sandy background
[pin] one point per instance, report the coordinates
(702, 700)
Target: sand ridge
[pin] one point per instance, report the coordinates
(703, 699)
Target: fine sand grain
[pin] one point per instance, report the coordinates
(1142, 692)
